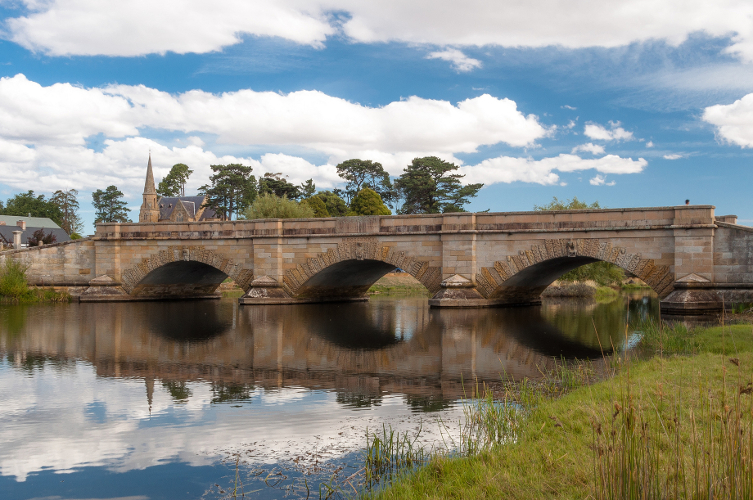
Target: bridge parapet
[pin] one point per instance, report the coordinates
(507, 222)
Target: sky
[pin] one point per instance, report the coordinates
(630, 103)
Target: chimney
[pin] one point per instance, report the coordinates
(2, 222)
(22, 225)
(17, 239)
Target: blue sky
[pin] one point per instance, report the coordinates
(630, 103)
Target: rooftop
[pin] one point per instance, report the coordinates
(37, 222)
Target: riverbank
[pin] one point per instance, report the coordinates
(399, 284)
(682, 418)
(14, 289)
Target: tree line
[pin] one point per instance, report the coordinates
(427, 185)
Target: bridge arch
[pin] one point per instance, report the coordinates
(350, 269)
(183, 271)
(521, 278)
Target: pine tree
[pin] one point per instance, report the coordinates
(232, 189)
(277, 185)
(308, 188)
(174, 183)
(429, 186)
(109, 206)
(366, 173)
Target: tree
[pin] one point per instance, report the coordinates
(368, 202)
(317, 205)
(308, 188)
(174, 183)
(67, 202)
(603, 273)
(428, 187)
(277, 185)
(109, 206)
(269, 206)
(232, 189)
(29, 205)
(366, 173)
(574, 204)
(336, 206)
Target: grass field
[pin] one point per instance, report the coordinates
(675, 425)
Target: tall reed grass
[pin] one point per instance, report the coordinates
(490, 420)
(691, 440)
(486, 424)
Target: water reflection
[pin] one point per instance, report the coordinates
(394, 346)
(130, 386)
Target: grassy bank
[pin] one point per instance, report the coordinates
(676, 425)
(14, 289)
(399, 284)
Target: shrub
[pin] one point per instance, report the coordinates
(13, 280)
(603, 273)
(336, 206)
(368, 202)
(269, 206)
(317, 205)
(38, 236)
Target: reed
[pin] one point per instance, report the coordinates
(691, 440)
(391, 452)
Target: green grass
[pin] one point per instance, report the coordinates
(14, 289)
(677, 425)
(606, 294)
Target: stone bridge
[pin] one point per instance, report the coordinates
(691, 258)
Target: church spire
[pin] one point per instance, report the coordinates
(149, 210)
(149, 184)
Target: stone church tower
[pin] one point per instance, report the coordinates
(149, 209)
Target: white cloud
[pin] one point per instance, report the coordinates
(600, 180)
(137, 27)
(734, 121)
(68, 27)
(460, 61)
(508, 169)
(601, 133)
(43, 131)
(650, 144)
(567, 106)
(672, 157)
(65, 114)
(589, 147)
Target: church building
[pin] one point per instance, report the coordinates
(157, 208)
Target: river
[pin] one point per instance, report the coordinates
(158, 400)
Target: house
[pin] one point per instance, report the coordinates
(157, 208)
(27, 226)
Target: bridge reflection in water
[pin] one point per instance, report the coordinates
(362, 350)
